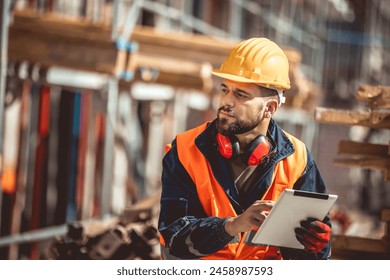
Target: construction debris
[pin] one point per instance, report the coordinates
(134, 237)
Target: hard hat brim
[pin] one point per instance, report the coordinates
(240, 79)
(231, 77)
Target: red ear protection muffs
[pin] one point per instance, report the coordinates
(229, 147)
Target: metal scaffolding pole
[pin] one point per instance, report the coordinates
(34, 235)
(4, 22)
(109, 141)
(186, 19)
(236, 14)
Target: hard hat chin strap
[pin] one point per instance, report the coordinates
(282, 98)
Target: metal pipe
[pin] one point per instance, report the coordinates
(131, 19)
(283, 25)
(35, 235)
(112, 103)
(115, 18)
(235, 23)
(188, 20)
(187, 6)
(4, 22)
(53, 231)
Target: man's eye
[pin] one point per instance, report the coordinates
(240, 95)
(224, 90)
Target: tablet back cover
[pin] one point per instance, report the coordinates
(292, 207)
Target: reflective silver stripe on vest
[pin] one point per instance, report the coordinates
(165, 254)
(191, 248)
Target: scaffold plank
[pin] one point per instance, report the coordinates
(374, 96)
(367, 118)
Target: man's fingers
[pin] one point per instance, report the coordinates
(313, 234)
(262, 205)
(255, 222)
(267, 203)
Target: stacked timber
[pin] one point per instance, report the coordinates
(375, 114)
(50, 40)
(181, 60)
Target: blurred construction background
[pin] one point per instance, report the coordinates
(92, 90)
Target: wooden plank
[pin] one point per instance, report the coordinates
(382, 164)
(374, 119)
(363, 149)
(61, 51)
(352, 243)
(369, 161)
(197, 48)
(182, 80)
(364, 162)
(55, 24)
(49, 41)
(385, 215)
(374, 96)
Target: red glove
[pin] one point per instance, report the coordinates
(313, 234)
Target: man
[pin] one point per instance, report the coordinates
(221, 179)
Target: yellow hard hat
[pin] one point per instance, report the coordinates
(256, 60)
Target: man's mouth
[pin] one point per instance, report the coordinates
(227, 113)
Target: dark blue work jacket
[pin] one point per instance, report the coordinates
(188, 232)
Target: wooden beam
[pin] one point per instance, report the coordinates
(365, 155)
(364, 162)
(191, 47)
(363, 149)
(67, 43)
(374, 96)
(351, 243)
(385, 215)
(374, 119)
(382, 164)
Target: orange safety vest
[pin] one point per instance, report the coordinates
(215, 201)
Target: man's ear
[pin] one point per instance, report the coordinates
(272, 105)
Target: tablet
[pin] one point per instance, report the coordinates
(292, 207)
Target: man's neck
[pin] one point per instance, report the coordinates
(247, 137)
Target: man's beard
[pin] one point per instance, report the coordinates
(239, 126)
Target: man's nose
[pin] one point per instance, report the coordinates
(227, 100)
